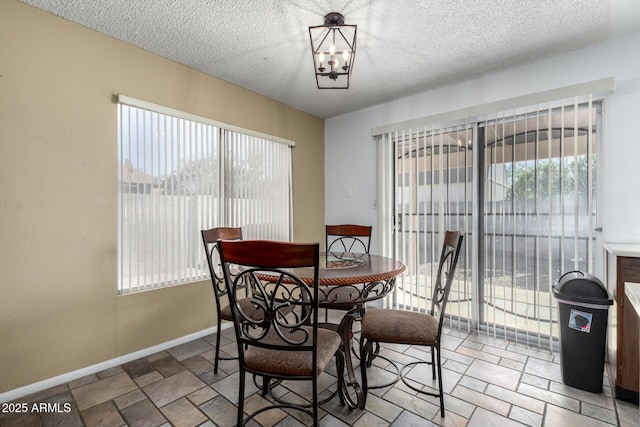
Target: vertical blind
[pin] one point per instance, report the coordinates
(179, 174)
(538, 214)
(520, 184)
(258, 186)
(430, 192)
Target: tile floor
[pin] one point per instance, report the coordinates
(488, 382)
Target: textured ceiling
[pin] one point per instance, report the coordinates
(403, 46)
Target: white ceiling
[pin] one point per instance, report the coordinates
(403, 46)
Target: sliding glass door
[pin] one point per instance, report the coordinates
(521, 186)
(538, 214)
(433, 193)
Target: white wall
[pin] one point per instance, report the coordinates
(350, 156)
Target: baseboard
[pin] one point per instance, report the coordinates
(626, 395)
(17, 393)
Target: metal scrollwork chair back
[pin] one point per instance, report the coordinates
(284, 342)
(348, 238)
(444, 278)
(210, 238)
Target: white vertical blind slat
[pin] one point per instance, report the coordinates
(576, 206)
(550, 208)
(563, 143)
(590, 183)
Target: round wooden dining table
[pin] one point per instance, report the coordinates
(338, 268)
(346, 279)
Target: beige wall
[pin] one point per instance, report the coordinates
(58, 306)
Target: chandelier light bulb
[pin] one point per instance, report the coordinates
(332, 49)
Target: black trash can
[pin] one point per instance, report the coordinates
(583, 304)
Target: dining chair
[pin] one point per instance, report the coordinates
(348, 238)
(210, 240)
(285, 342)
(393, 326)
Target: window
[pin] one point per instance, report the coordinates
(179, 174)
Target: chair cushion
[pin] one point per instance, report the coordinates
(293, 363)
(248, 308)
(399, 327)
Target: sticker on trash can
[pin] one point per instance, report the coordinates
(580, 321)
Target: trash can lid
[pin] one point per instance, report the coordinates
(581, 287)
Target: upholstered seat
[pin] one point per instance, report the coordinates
(399, 327)
(247, 307)
(282, 363)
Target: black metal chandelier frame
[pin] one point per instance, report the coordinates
(327, 49)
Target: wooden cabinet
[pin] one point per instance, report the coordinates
(628, 354)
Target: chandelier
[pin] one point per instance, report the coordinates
(333, 47)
